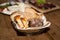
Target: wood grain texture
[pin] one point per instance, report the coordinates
(7, 32)
(2, 1)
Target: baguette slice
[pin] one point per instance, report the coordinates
(18, 20)
(25, 22)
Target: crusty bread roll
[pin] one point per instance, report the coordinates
(29, 13)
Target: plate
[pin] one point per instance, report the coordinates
(9, 10)
(46, 10)
(45, 24)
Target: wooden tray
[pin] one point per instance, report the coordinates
(44, 11)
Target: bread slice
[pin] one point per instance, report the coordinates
(25, 22)
(18, 20)
(22, 22)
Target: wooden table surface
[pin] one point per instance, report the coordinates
(7, 31)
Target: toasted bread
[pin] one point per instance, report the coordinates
(22, 22)
(18, 20)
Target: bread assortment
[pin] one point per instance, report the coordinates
(30, 18)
